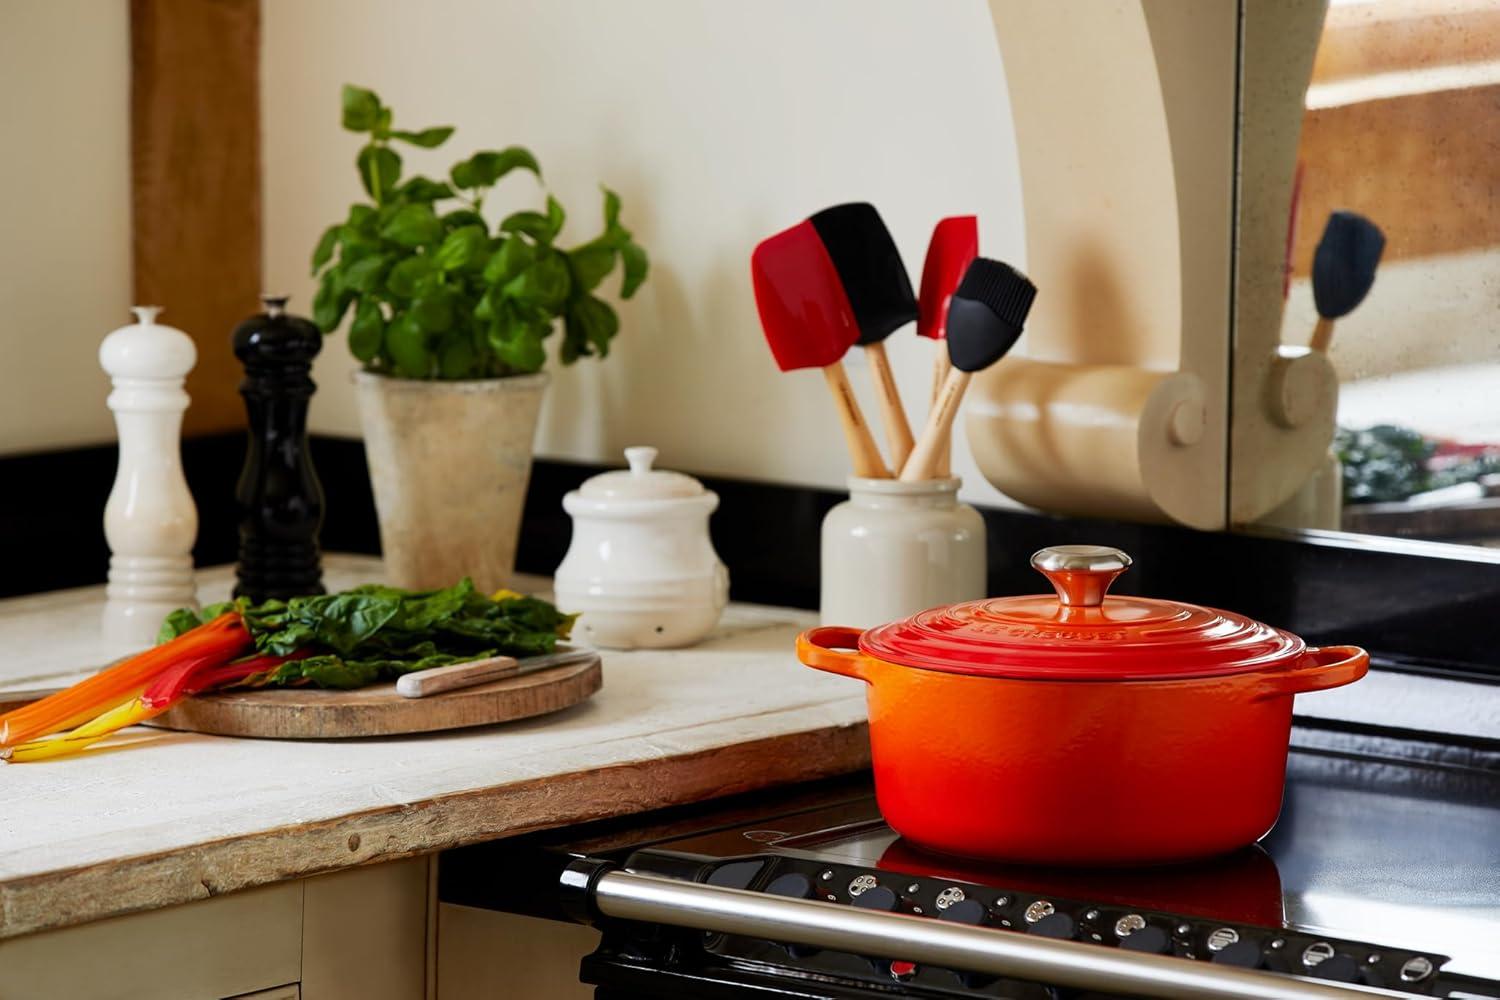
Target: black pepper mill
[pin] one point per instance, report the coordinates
(279, 499)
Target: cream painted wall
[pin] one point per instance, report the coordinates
(719, 123)
(65, 251)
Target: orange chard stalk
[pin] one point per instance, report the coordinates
(224, 638)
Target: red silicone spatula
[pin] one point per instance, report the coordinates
(809, 323)
(954, 243)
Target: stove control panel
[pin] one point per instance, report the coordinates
(1292, 952)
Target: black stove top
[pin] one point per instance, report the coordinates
(1383, 870)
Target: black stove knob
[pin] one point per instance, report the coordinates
(878, 898)
(1241, 954)
(1054, 925)
(1150, 939)
(1339, 968)
(968, 911)
(793, 884)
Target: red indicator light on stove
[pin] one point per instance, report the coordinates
(903, 970)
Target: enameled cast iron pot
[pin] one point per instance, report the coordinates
(1080, 729)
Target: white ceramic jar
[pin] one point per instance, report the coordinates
(893, 549)
(641, 568)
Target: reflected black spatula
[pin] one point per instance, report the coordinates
(1343, 270)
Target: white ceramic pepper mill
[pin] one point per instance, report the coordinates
(149, 520)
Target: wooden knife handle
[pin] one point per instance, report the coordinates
(863, 451)
(892, 414)
(923, 461)
(436, 680)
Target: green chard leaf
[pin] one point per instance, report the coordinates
(361, 109)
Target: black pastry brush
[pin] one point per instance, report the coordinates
(880, 294)
(1343, 270)
(985, 319)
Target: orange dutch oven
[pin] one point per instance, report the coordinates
(1081, 728)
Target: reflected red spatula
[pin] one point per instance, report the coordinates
(809, 323)
(954, 243)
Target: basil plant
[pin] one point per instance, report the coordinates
(435, 293)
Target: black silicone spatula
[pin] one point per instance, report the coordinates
(1343, 270)
(875, 281)
(985, 318)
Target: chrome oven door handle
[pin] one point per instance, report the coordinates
(631, 895)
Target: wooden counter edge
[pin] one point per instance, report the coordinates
(66, 897)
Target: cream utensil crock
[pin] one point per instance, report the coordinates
(895, 548)
(641, 568)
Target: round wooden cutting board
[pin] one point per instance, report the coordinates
(377, 710)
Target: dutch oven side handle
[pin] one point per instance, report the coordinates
(833, 648)
(1320, 668)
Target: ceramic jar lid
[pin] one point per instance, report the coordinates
(1080, 634)
(638, 486)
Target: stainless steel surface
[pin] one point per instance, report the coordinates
(632, 896)
(1036, 911)
(1222, 938)
(1129, 924)
(862, 884)
(949, 896)
(1107, 563)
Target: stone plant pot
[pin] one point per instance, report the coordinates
(449, 463)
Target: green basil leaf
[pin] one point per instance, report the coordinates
(367, 330)
(362, 217)
(434, 311)
(555, 218)
(485, 168)
(543, 285)
(485, 310)
(407, 276)
(590, 263)
(365, 273)
(323, 252)
(464, 217)
(461, 248)
(533, 224)
(519, 347)
(379, 169)
(636, 267)
(330, 302)
(421, 188)
(611, 209)
(361, 109)
(413, 226)
(428, 138)
(513, 257)
(406, 343)
(456, 358)
(595, 322)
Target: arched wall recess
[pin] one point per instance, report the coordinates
(1125, 116)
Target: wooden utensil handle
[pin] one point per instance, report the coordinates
(892, 414)
(940, 368)
(863, 452)
(1322, 335)
(422, 683)
(923, 461)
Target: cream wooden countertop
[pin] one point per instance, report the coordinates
(182, 816)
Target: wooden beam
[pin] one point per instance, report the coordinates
(195, 182)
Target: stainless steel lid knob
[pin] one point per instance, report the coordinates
(1080, 573)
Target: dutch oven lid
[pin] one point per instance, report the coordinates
(1080, 634)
